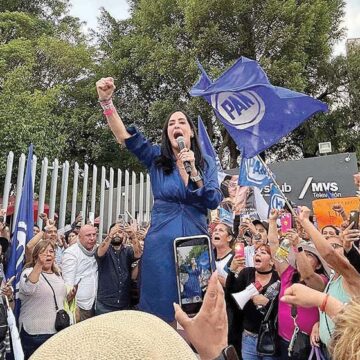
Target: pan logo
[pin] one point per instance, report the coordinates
(277, 202)
(241, 109)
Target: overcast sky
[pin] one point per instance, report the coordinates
(89, 10)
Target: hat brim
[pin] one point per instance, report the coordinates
(311, 249)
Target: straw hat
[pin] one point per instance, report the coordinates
(125, 335)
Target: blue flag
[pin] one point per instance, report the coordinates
(255, 113)
(23, 231)
(277, 201)
(205, 143)
(253, 173)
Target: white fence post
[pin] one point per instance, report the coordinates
(42, 190)
(7, 185)
(19, 185)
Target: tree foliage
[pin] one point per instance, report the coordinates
(48, 69)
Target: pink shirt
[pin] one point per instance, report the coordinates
(307, 317)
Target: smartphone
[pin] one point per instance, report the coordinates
(2, 219)
(91, 217)
(286, 223)
(239, 249)
(121, 219)
(354, 217)
(194, 266)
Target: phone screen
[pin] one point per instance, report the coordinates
(193, 269)
(354, 218)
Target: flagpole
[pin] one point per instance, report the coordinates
(278, 187)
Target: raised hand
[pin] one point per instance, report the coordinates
(105, 88)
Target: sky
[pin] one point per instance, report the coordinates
(89, 10)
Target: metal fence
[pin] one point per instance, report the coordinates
(105, 195)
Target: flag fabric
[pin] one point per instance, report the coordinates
(277, 200)
(23, 231)
(254, 173)
(208, 149)
(255, 113)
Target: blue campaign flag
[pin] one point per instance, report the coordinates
(255, 113)
(253, 173)
(23, 231)
(277, 201)
(205, 144)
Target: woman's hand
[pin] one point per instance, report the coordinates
(293, 236)
(41, 259)
(304, 213)
(260, 300)
(237, 263)
(187, 155)
(274, 214)
(71, 294)
(208, 330)
(105, 88)
(302, 295)
(315, 335)
(349, 235)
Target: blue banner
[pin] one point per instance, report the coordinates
(23, 231)
(205, 144)
(253, 173)
(277, 201)
(255, 113)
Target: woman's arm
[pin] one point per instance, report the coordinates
(337, 261)
(307, 273)
(304, 296)
(273, 239)
(105, 88)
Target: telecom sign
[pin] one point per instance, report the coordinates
(305, 180)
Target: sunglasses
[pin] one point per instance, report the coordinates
(336, 246)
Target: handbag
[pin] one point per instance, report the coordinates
(62, 319)
(268, 341)
(299, 347)
(317, 352)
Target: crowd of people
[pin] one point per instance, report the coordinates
(276, 294)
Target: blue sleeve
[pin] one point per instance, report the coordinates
(141, 147)
(209, 194)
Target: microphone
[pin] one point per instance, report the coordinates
(181, 143)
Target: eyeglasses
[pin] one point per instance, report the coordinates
(336, 246)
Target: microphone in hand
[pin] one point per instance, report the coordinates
(181, 143)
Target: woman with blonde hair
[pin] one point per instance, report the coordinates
(39, 282)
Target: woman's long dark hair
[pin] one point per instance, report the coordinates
(166, 159)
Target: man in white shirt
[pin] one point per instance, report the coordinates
(80, 269)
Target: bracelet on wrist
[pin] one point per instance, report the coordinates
(324, 303)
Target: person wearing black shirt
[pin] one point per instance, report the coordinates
(114, 260)
(264, 273)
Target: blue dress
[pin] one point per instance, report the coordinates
(192, 287)
(178, 211)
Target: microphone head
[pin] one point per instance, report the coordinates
(181, 142)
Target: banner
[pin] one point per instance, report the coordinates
(254, 173)
(23, 231)
(255, 113)
(325, 215)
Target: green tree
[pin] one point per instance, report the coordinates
(152, 55)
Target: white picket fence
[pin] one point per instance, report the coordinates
(104, 199)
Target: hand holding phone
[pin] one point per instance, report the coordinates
(193, 260)
(239, 249)
(286, 223)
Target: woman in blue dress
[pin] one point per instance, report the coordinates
(181, 201)
(192, 287)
